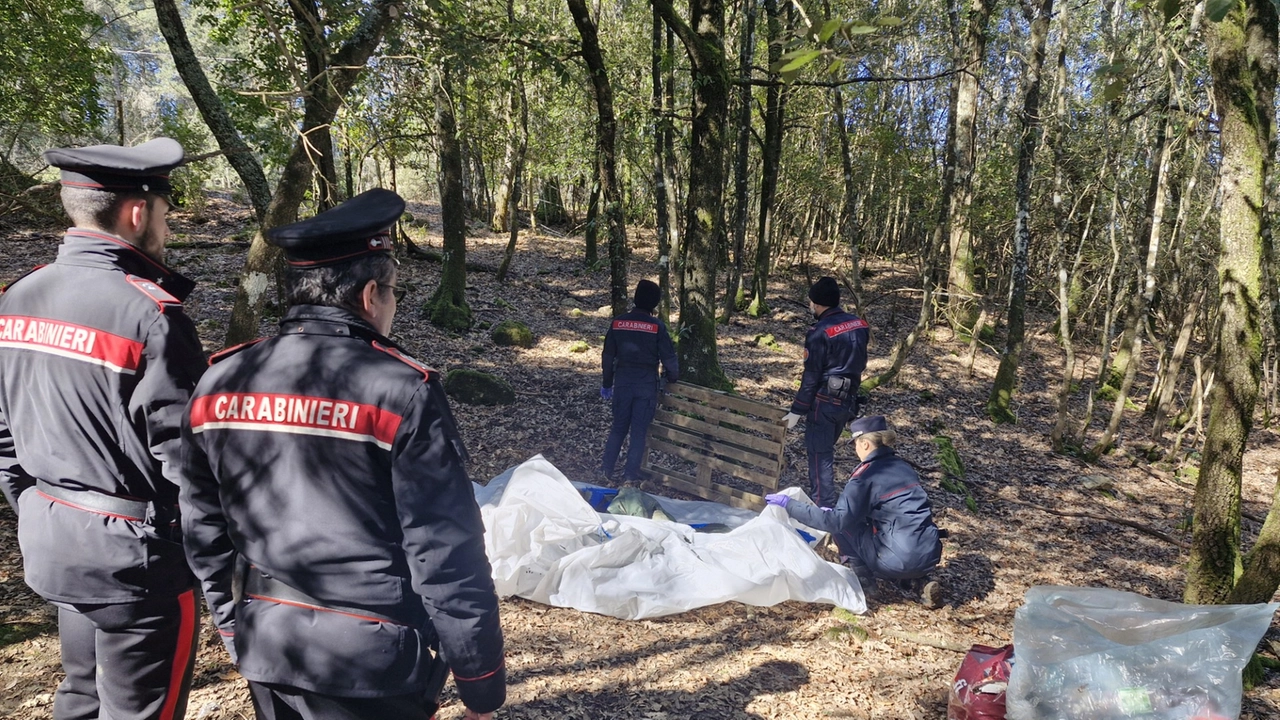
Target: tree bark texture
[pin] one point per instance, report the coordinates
(742, 157)
(327, 93)
(1000, 403)
(1245, 138)
(215, 114)
(448, 307)
(962, 307)
(664, 206)
(606, 155)
(1261, 576)
(703, 39)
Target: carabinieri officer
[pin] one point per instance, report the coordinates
(835, 354)
(327, 472)
(97, 362)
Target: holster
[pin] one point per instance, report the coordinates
(840, 388)
(437, 674)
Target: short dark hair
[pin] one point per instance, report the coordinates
(89, 207)
(338, 285)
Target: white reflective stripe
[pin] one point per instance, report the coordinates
(66, 354)
(290, 429)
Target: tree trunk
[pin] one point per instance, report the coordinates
(770, 157)
(849, 204)
(1169, 383)
(662, 182)
(606, 155)
(448, 307)
(591, 227)
(518, 126)
(506, 199)
(326, 97)
(961, 305)
(703, 39)
(742, 157)
(1242, 51)
(215, 114)
(1000, 402)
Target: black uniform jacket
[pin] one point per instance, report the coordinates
(328, 460)
(97, 362)
(884, 492)
(634, 345)
(836, 346)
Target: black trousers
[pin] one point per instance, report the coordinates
(282, 702)
(822, 428)
(127, 661)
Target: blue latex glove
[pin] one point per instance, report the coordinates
(606, 393)
(780, 500)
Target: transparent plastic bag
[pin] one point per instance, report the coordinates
(1098, 654)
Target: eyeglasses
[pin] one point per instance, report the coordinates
(396, 291)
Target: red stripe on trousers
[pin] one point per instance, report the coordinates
(181, 654)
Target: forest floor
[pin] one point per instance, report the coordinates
(728, 661)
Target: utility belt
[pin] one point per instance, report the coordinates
(160, 517)
(840, 390)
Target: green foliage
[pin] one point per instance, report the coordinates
(48, 68)
(768, 341)
(579, 346)
(512, 333)
(1107, 393)
(950, 460)
(473, 387)
(444, 314)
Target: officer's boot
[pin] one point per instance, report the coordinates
(931, 595)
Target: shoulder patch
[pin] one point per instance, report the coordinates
(428, 373)
(5, 289)
(153, 291)
(224, 354)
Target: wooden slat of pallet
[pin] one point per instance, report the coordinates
(712, 447)
(769, 448)
(772, 430)
(723, 399)
(702, 459)
(711, 490)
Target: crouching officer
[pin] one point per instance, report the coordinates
(634, 346)
(97, 362)
(835, 354)
(883, 524)
(326, 477)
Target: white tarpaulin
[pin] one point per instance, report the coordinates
(547, 544)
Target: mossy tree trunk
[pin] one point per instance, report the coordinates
(1242, 56)
(1000, 402)
(606, 155)
(448, 307)
(703, 39)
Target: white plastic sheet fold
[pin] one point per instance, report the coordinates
(548, 545)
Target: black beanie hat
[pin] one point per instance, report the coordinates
(648, 295)
(825, 292)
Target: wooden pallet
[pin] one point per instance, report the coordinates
(721, 434)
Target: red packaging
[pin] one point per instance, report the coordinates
(980, 684)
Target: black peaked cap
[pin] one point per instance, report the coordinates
(115, 168)
(346, 231)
